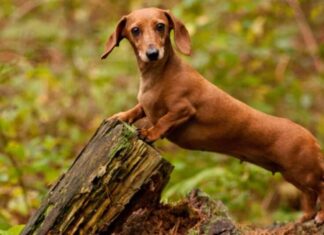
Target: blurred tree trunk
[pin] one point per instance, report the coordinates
(114, 169)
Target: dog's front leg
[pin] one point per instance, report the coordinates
(129, 116)
(170, 120)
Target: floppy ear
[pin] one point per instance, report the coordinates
(115, 38)
(181, 35)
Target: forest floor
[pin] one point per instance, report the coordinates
(199, 214)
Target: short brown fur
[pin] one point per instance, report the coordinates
(195, 114)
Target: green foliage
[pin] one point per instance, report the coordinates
(14, 230)
(55, 90)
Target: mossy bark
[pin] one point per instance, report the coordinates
(110, 170)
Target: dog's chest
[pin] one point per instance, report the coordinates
(152, 103)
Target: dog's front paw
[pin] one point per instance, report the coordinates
(122, 116)
(147, 135)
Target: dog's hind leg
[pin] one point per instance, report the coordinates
(306, 183)
(308, 204)
(319, 219)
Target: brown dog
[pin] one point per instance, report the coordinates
(195, 114)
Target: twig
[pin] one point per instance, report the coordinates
(308, 36)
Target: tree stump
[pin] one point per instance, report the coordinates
(115, 169)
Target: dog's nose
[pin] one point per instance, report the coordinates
(152, 54)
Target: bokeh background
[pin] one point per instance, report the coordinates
(55, 91)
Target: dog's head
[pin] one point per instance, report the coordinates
(148, 30)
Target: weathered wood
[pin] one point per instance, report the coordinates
(111, 170)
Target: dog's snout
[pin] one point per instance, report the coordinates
(152, 53)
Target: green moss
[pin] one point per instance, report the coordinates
(125, 142)
(128, 131)
(48, 209)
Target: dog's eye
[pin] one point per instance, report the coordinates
(136, 31)
(160, 27)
